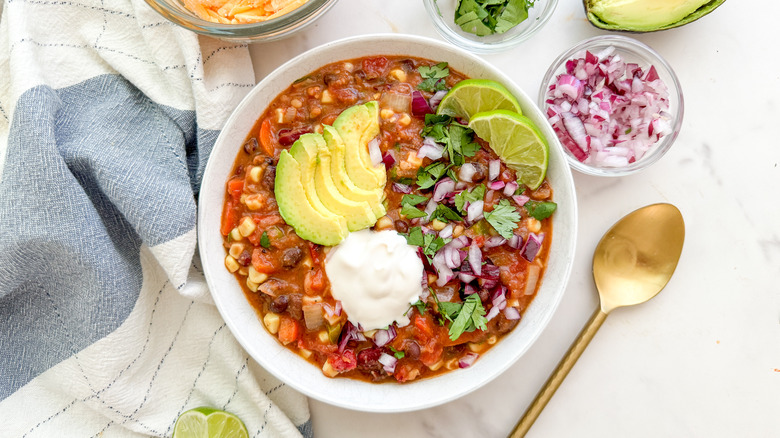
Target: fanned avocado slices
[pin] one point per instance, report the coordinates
(646, 15)
(357, 125)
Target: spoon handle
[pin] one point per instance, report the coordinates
(560, 373)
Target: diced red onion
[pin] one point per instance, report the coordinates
(388, 362)
(532, 246)
(420, 106)
(466, 172)
(443, 271)
(389, 159)
(383, 337)
(520, 199)
(475, 259)
(467, 360)
(492, 313)
(338, 308)
(466, 278)
(402, 188)
(494, 169)
(430, 149)
(436, 99)
(474, 211)
(374, 152)
(496, 185)
(459, 242)
(446, 232)
(446, 294)
(515, 242)
(494, 241)
(442, 188)
(510, 188)
(511, 313)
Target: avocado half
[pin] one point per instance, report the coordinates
(646, 15)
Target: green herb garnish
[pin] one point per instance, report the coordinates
(486, 17)
(503, 218)
(433, 77)
(265, 242)
(430, 243)
(398, 354)
(428, 176)
(476, 194)
(540, 210)
(458, 140)
(464, 317)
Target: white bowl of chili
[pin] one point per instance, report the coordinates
(247, 323)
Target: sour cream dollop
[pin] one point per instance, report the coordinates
(376, 275)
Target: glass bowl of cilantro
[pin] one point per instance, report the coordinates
(489, 26)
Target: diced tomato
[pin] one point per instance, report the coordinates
(263, 262)
(424, 327)
(343, 362)
(230, 217)
(266, 137)
(289, 330)
(479, 239)
(316, 252)
(346, 95)
(312, 343)
(406, 371)
(236, 188)
(314, 282)
(329, 119)
(375, 67)
(476, 335)
(431, 352)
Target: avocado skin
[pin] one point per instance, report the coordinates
(695, 15)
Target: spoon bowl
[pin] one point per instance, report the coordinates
(632, 263)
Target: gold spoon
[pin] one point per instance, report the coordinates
(632, 263)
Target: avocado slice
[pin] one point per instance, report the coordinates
(357, 214)
(357, 125)
(646, 15)
(335, 148)
(295, 208)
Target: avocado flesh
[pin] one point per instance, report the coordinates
(357, 125)
(335, 149)
(357, 214)
(646, 15)
(295, 208)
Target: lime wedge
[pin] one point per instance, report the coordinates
(209, 423)
(472, 96)
(516, 141)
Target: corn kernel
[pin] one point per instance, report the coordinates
(348, 66)
(243, 271)
(235, 234)
(452, 364)
(279, 115)
(326, 97)
(256, 277)
(386, 113)
(399, 74)
(315, 111)
(252, 285)
(533, 225)
(318, 129)
(323, 337)
(236, 249)
(307, 262)
(314, 92)
(311, 299)
(405, 120)
(296, 103)
(477, 348)
(255, 173)
(513, 302)
(246, 226)
(369, 334)
(231, 264)
(458, 230)
(384, 223)
(492, 340)
(438, 225)
(413, 159)
(436, 366)
(272, 321)
(254, 202)
(328, 370)
(432, 278)
(304, 353)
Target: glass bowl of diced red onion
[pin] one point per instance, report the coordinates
(615, 104)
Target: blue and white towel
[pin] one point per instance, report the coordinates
(107, 116)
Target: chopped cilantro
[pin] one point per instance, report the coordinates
(412, 212)
(396, 353)
(476, 194)
(433, 77)
(428, 176)
(404, 181)
(420, 305)
(415, 237)
(486, 17)
(445, 213)
(458, 140)
(413, 200)
(464, 317)
(265, 242)
(430, 242)
(503, 218)
(540, 210)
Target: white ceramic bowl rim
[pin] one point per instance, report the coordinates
(244, 322)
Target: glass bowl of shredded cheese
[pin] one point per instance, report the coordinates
(242, 20)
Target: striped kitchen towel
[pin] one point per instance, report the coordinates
(107, 116)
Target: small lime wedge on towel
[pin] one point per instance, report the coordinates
(206, 422)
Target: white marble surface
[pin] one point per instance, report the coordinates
(703, 358)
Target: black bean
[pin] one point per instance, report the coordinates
(480, 172)
(250, 146)
(401, 226)
(245, 258)
(330, 78)
(291, 257)
(279, 304)
(269, 176)
(412, 350)
(407, 65)
(239, 169)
